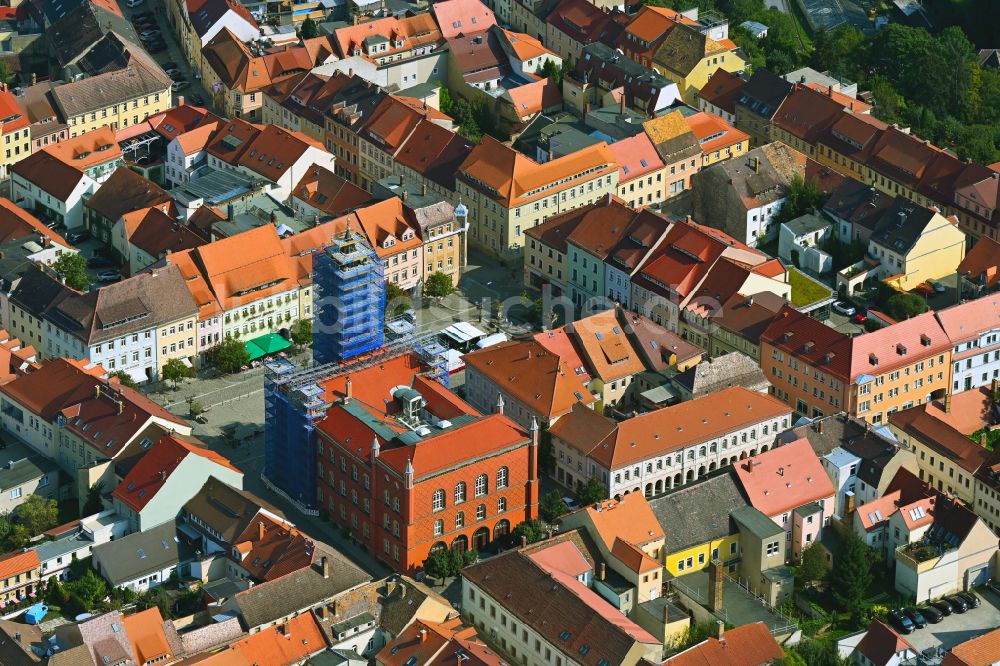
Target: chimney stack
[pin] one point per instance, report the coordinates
(819, 427)
(716, 583)
(34, 78)
(405, 194)
(324, 566)
(260, 531)
(849, 504)
(180, 100)
(500, 404)
(602, 571)
(720, 628)
(524, 541)
(348, 390)
(947, 403)
(623, 100)
(423, 635)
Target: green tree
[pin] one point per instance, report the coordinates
(54, 593)
(438, 564)
(309, 29)
(532, 530)
(552, 506)
(174, 371)
(550, 70)
(73, 268)
(803, 196)
(37, 514)
(903, 306)
(6, 73)
(813, 565)
(229, 355)
(302, 332)
(397, 300)
(851, 574)
(590, 492)
(438, 285)
(87, 590)
(692, 635)
(815, 653)
(461, 559)
(124, 379)
(93, 504)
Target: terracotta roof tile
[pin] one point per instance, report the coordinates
(983, 650)
(784, 478)
(541, 380)
(881, 643)
(746, 645)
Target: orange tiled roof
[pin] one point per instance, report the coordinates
(982, 650)
(535, 97)
(516, 179)
(784, 478)
(16, 563)
(538, 378)
(636, 156)
(713, 132)
(88, 149)
(287, 643)
(413, 31)
(146, 634)
(629, 519)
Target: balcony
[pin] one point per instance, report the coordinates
(922, 556)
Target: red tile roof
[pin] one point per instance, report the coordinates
(15, 223)
(106, 419)
(722, 90)
(882, 643)
(636, 157)
(287, 643)
(746, 645)
(544, 382)
(462, 17)
(146, 634)
(16, 563)
(982, 650)
(157, 464)
(12, 118)
(535, 97)
(784, 478)
(982, 262)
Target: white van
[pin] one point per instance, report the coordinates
(491, 340)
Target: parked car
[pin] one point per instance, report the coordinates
(146, 34)
(156, 47)
(176, 76)
(571, 503)
(168, 65)
(859, 318)
(931, 614)
(971, 598)
(77, 236)
(943, 606)
(919, 621)
(109, 276)
(924, 289)
(958, 604)
(938, 287)
(844, 308)
(197, 100)
(177, 86)
(900, 622)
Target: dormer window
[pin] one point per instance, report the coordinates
(389, 242)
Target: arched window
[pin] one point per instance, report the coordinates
(437, 503)
(482, 485)
(481, 512)
(459, 520)
(501, 505)
(459, 492)
(503, 475)
(438, 527)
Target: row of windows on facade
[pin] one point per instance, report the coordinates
(460, 516)
(565, 635)
(481, 488)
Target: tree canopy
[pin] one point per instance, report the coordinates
(229, 355)
(438, 285)
(73, 268)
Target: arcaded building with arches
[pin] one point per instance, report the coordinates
(654, 452)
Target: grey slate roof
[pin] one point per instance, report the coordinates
(140, 553)
(698, 513)
(141, 77)
(138, 303)
(299, 591)
(19, 465)
(755, 521)
(732, 369)
(900, 226)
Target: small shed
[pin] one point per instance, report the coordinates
(36, 613)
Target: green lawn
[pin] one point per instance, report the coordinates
(805, 290)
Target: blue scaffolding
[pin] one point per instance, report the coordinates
(349, 301)
(294, 403)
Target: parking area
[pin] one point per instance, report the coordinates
(956, 629)
(165, 50)
(845, 324)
